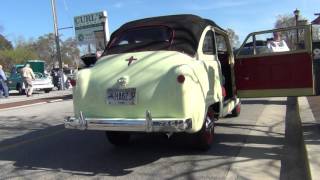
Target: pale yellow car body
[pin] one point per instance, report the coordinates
(154, 75)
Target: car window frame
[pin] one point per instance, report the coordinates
(253, 36)
(214, 46)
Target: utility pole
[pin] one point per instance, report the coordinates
(296, 15)
(56, 35)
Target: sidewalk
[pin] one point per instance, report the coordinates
(309, 109)
(270, 125)
(275, 142)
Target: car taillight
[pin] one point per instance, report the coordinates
(181, 78)
(73, 82)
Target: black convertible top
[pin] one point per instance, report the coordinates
(187, 29)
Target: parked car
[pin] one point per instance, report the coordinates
(174, 74)
(42, 81)
(7, 74)
(157, 75)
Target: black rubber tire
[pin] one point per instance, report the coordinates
(205, 137)
(118, 138)
(47, 90)
(236, 111)
(21, 91)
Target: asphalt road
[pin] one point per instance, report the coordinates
(35, 145)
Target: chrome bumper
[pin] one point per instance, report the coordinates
(137, 125)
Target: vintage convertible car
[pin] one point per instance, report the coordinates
(176, 74)
(161, 74)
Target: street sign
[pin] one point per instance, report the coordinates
(92, 28)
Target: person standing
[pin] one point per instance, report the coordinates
(3, 83)
(277, 45)
(27, 75)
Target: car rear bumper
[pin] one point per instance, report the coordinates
(146, 124)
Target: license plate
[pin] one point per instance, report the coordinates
(121, 96)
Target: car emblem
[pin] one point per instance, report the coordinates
(123, 82)
(130, 60)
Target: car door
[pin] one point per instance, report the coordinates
(12, 80)
(276, 63)
(207, 54)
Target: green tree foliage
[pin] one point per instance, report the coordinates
(43, 48)
(16, 56)
(9, 55)
(4, 43)
(234, 38)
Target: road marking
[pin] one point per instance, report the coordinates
(56, 100)
(30, 141)
(28, 105)
(33, 104)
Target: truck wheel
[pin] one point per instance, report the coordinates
(205, 136)
(236, 111)
(118, 138)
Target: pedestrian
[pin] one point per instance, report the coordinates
(276, 44)
(27, 75)
(3, 84)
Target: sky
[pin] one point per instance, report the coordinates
(33, 18)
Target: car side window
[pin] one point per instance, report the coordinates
(14, 71)
(275, 41)
(221, 44)
(209, 47)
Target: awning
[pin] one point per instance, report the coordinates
(316, 21)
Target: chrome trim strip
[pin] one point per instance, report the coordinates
(123, 124)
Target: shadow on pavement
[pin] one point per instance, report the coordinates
(310, 130)
(87, 152)
(293, 164)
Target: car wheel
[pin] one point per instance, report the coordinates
(47, 90)
(21, 91)
(236, 111)
(205, 136)
(118, 138)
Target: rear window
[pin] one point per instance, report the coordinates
(141, 39)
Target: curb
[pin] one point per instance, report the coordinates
(311, 138)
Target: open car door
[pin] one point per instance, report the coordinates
(275, 63)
